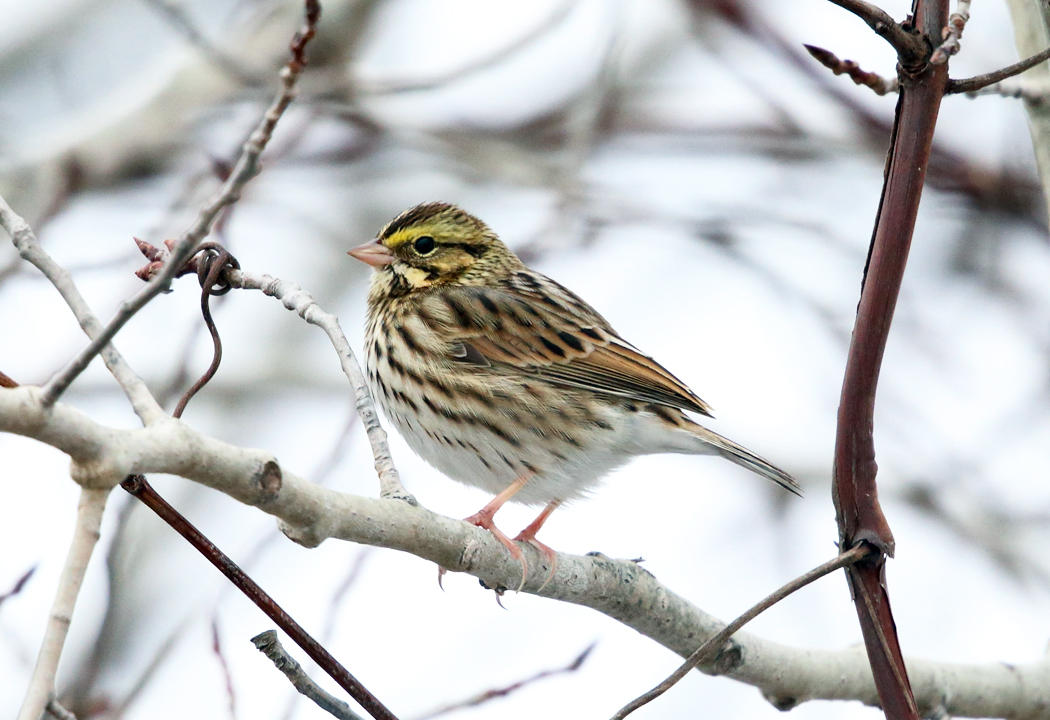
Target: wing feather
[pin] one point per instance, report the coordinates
(538, 327)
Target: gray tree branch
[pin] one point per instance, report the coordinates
(102, 456)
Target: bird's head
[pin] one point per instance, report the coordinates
(433, 244)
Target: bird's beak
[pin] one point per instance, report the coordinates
(374, 253)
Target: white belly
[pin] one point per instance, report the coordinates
(488, 429)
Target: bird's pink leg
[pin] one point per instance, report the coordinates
(483, 519)
(529, 535)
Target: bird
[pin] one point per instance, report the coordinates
(503, 379)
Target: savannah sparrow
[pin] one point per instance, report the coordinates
(503, 379)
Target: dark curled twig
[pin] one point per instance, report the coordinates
(268, 644)
(137, 486)
(881, 85)
(212, 262)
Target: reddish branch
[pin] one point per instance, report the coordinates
(876, 82)
(855, 492)
(137, 486)
(909, 46)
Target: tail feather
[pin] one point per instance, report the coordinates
(747, 459)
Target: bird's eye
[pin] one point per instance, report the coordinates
(424, 245)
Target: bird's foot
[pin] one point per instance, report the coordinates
(528, 535)
(483, 519)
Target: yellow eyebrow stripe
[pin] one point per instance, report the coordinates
(401, 237)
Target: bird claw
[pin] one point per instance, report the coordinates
(546, 551)
(484, 520)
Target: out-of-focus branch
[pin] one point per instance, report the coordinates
(246, 167)
(180, 21)
(61, 713)
(85, 535)
(486, 61)
(618, 588)
(227, 676)
(1031, 21)
(487, 695)
(19, 584)
(1033, 92)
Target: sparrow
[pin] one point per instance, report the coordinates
(503, 379)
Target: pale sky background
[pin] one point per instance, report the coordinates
(716, 209)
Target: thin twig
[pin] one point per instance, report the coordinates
(949, 169)
(19, 584)
(137, 486)
(30, 249)
(299, 301)
(485, 696)
(148, 670)
(484, 62)
(714, 644)
(977, 82)
(268, 644)
(227, 676)
(85, 535)
(909, 46)
(328, 631)
(952, 33)
(246, 167)
(881, 85)
(348, 582)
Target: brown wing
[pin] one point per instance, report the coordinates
(540, 328)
